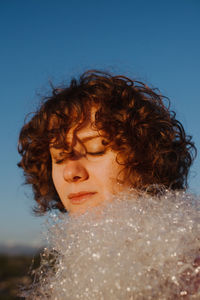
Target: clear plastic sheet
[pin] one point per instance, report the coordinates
(134, 247)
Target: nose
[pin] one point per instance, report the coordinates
(75, 171)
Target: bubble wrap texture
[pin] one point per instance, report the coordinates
(133, 248)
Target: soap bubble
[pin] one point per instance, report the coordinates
(136, 247)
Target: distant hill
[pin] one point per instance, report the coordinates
(19, 249)
(15, 271)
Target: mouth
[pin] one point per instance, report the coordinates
(81, 197)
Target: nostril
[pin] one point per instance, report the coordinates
(74, 171)
(76, 178)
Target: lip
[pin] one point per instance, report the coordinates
(81, 197)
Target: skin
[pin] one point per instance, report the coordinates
(85, 177)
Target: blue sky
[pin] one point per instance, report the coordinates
(155, 41)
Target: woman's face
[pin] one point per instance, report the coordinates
(87, 176)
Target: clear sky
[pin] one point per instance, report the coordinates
(155, 41)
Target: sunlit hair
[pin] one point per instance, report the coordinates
(150, 142)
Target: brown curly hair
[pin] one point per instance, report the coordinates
(136, 121)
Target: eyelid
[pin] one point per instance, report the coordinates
(68, 155)
(96, 153)
(61, 157)
(58, 161)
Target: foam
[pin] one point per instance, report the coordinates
(136, 247)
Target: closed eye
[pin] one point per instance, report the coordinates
(96, 153)
(73, 155)
(59, 161)
(62, 157)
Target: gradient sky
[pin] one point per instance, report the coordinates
(41, 40)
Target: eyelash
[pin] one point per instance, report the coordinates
(87, 153)
(59, 161)
(96, 153)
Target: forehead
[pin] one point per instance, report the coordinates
(87, 131)
(83, 134)
(80, 129)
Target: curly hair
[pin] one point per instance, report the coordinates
(137, 123)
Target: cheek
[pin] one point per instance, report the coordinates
(57, 178)
(107, 171)
(116, 178)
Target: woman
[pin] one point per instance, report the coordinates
(98, 134)
(90, 142)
